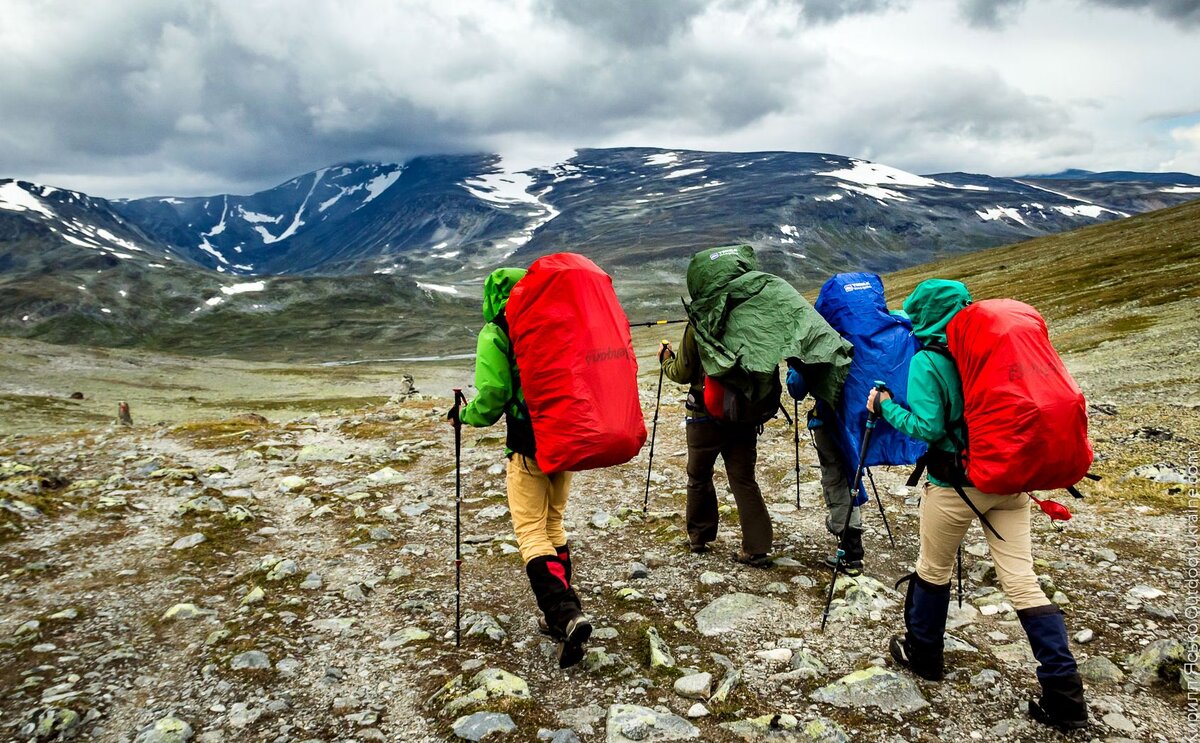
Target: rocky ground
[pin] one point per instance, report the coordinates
(292, 579)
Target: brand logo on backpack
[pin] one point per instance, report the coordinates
(596, 356)
(858, 287)
(720, 253)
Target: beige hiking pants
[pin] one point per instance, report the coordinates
(536, 502)
(944, 522)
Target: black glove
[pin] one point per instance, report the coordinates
(452, 416)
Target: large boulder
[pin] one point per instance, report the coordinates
(873, 687)
(735, 611)
(628, 722)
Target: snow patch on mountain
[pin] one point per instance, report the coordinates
(1182, 189)
(439, 288)
(14, 198)
(663, 159)
(243, 288)
(1000, 212)
(381, 183)
(256, 218)
(505, 189)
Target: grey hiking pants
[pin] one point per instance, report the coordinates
(738, 446)
(833, 481)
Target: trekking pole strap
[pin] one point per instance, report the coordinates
(975, 510)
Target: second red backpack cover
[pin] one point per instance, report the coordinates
(1026, 416)
(577, 365)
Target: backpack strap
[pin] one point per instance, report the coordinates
(975, 509)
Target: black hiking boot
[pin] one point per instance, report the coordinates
(1062, 705)
(571, 650)
(921, 649)
(852, 558)
(563, 618)
(760, 560)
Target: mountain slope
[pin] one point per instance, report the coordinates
(632, 209)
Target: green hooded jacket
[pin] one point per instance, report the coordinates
(497, 381)
(935, 396)
(746, 321)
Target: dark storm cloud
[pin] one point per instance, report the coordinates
(1184, 12)
(989, 13)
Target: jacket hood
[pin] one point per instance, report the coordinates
(711, 270)
(932, 305)
(496, 288)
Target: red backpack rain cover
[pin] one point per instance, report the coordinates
(577, 366)
(1026, 416)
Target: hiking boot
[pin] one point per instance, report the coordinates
(1062, 705)
(852, 568)
(699, 548)
(851, 545)
(921, 649)
(555, 596)
(571, 650)
(760, 560)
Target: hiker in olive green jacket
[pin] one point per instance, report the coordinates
(536, 501)
(707, 439)
(935, 413)
(742, 323)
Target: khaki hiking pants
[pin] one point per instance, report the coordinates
(944, 522)
(536, 502)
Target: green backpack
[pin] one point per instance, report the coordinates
(746, 321)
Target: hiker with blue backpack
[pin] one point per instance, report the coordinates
(1002, 416)
(742, 323)
(854, 306)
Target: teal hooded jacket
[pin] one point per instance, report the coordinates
(935, 397)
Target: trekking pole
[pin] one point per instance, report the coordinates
(882, 513)
(459, 399)
(872, 421)
(960, 575)
(652, 323)
(653, 431)
(796, 431)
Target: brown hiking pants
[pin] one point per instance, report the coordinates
(536, 502)
(738, 446)
(944, 522)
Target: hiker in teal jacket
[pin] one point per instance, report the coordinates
(935, 413)
(536, 501)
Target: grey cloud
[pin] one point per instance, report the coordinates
(828, 11)
(635, 23)
(1184, 12)
(197, 94)
(951, 117)
(989, 13)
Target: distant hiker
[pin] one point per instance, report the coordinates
(854, 307)
(937, 411)
(742, 323)
(572, 405)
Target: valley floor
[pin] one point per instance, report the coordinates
(291, 577)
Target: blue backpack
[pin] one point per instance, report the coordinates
(884, 344)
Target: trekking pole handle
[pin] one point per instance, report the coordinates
(872, 416)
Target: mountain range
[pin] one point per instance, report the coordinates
(362, 249)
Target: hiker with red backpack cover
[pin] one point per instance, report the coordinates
(985, 387)
(555, 359)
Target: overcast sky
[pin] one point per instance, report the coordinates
(133, 98)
